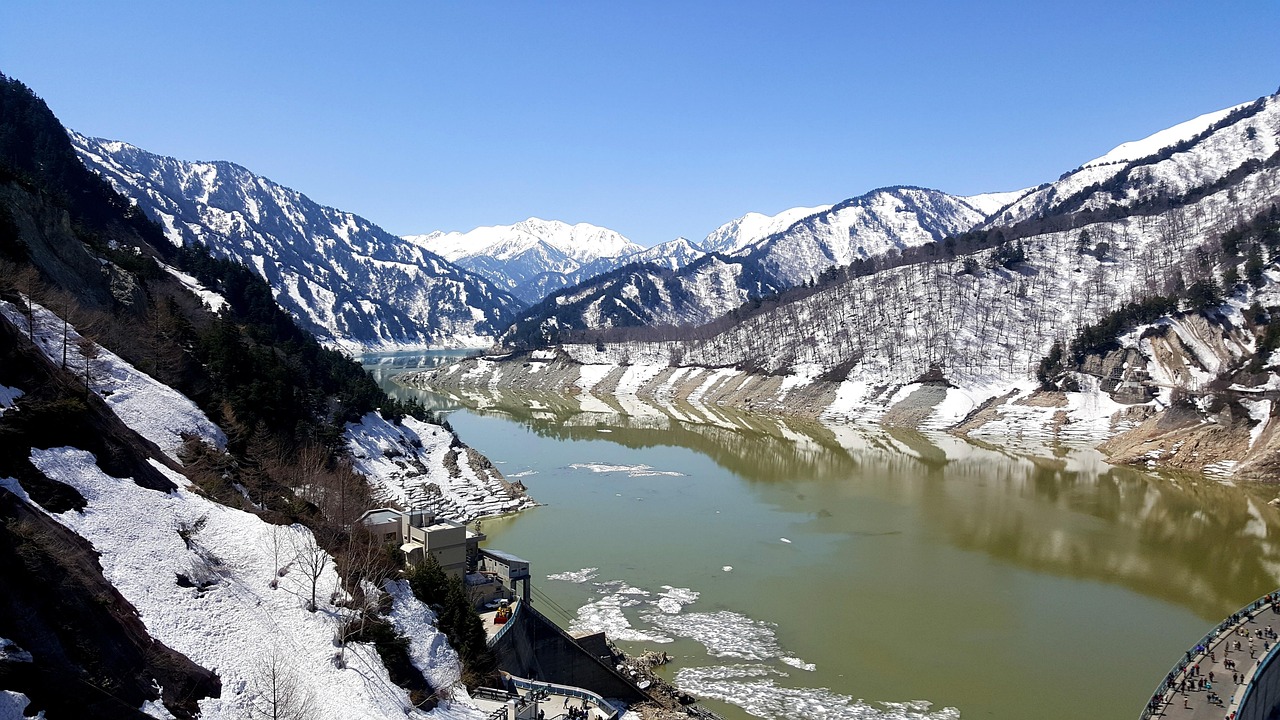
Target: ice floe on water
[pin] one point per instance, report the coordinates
(754, 688)
(575, 576)
(619, 587)
(724, 633)
(673, 599)
(797, 663)
(727, 568)
(630, 470)
(606, 615)
(522, 473)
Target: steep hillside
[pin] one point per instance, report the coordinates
(178, 486)
(342, 278)
(524, 258)
(1169, 163)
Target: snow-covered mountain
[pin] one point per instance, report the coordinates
(663, 293)
(927, 342)
(1170, 162)
(527, 258)
(743, 231)
(672, 254)
(886, 219)
(343, 278)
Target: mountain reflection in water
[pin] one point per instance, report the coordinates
(1187, 540)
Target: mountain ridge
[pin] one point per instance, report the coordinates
(344, 278)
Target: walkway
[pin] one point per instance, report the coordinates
(1213, 657)
(552, 700)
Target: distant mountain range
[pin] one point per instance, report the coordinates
(353, 284)
(342, 277)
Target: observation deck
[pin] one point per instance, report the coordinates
(1255, 688)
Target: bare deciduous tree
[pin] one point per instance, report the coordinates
(278, 693)
(311, 560)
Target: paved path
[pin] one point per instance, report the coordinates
(1194, 704)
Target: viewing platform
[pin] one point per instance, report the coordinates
(1239, 654)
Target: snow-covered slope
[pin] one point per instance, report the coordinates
(152, 409)
(741, 232)
(858, 228)
(673, 254)
(342, 277)
(1168, 163)
(516, 256)
(419, 465)
(227, 609)
(219, 585)
(988, 203)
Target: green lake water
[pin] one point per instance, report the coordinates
(796, 570)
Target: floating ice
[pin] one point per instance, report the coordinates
(523, 473)
(727, 568)
(606, 615)
(630, 470)
(674, 599)
(754, 689)
(785, 540)
(619, 587)
(724, 633)
(796, 662)
(575, 576)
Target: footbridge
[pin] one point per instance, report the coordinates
(1230, 672)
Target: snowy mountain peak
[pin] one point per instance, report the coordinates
(988, 203)
(581, 242)
(533, 257)
(342, 277)
(743, 231)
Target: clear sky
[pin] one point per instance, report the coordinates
(655, 119)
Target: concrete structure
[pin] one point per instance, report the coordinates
(419, 533)
(508, 568)
(531, 646)
(1253, 694)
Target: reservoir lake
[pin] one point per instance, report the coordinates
(794, 569)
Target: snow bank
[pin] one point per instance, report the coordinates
(232, 620)
(429, 650)
(211, 299)
(419, 465)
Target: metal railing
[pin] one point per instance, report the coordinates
(1200, 648)
(511, 620)
(575, 692)
(1258, 671)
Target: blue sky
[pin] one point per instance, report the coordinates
(655, 119)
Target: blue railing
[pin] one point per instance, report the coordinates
(575, 692)
(511, 620)
(1198, 650)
